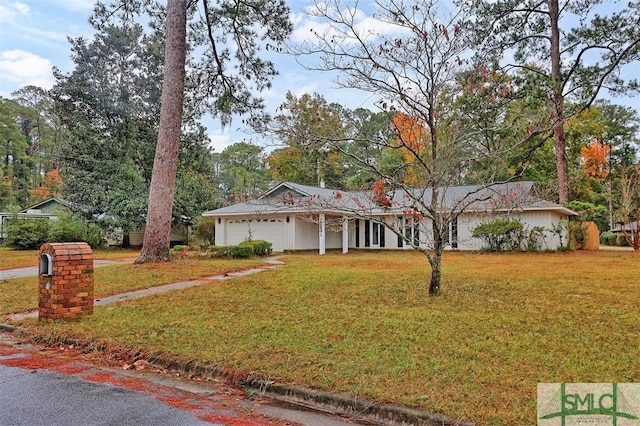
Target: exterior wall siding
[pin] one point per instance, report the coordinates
(300, 234)
(545, 219)
(306, 236)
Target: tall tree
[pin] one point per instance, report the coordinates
(303, 126)
(225, 71)
(38, 125)
(555, 61)
(595, 160)
(411, 61)
(15, 156)
(108, 104)
(159, 212)
(242, 171)
(50, 187)
(363, 127)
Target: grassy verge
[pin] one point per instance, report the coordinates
(21, 294)
(362, 324)
(11, 259)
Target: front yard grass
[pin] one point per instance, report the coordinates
(21, 294)
(362, 324)
(11, 259)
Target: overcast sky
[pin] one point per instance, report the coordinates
(33, 39)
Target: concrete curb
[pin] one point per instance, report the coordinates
(369, 411)
(364, 409)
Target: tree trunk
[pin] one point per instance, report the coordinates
(437, 228)
(126, 240)
(436, 256)
(157, 234)
(436, 272)
(558, 107)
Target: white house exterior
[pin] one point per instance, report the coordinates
(297, 217)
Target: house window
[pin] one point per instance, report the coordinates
(375, 234)
(357, 233)
(367, 232)
(454, 233)
(451, 236)
(412, 230)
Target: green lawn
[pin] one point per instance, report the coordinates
(10, 259)
(21, 294)
(362, 324)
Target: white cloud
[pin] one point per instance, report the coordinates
(19, 68)
(10, 11)
(219, 139)
(307, 25)
(75, 5)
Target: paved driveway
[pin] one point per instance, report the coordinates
(33, 270)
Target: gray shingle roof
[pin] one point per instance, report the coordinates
(290, 197)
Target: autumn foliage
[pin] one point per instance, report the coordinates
(412, 133)
(413, 140)
(594, 160)
(380, 194)
(51, 187)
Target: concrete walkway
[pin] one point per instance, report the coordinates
(270, 263)
(31, 271)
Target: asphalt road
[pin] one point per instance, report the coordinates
(38, 397)
(58, 386)
(42, 386)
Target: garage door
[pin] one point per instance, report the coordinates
(269, 229)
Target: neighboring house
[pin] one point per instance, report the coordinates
(47, 209)
(179, 235)
(630, 227)
(50, 208)
(297, 217)
(630, 232)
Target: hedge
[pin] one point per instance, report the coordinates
(258, 247)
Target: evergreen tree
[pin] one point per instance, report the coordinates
(561, 51)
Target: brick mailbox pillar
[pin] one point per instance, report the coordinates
(65, 281)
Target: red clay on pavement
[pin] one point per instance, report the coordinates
(223, 407)
(123, 382)
(33, 362)
(69, 370)
(8, 350)
(178, 403)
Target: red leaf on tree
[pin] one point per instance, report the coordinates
(380, 194)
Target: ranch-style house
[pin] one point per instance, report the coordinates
(297, 217)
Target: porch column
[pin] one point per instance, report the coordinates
(220, 234)
(321, 234)
(345, 235)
